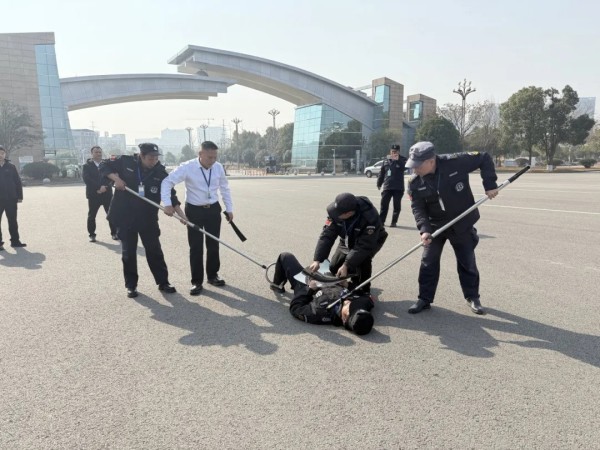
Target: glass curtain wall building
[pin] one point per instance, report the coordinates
(55, 120)
(322, 134)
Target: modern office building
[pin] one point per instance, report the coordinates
(113, 145)
(331, 120)
(29, 78)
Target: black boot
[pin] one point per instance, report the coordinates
(419, 306)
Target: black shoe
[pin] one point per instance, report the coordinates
(393, 225)
(196, 289)
(216, 281)
(132, 292)
(419, 306)
(18, 244)
(167, 288)
(475, 306)
(114, 237)
(277, 288)
(92, 238)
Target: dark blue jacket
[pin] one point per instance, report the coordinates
(450, 183)
(365, 233)
(391, 175)
(125, 209)
(11, 187)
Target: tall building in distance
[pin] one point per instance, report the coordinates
(113, 145)
(29, 78)
(84, 139)
(586, 105)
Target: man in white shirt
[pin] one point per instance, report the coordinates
(204, 178)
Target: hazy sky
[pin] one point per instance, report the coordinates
(427, 46)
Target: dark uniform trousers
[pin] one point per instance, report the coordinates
(365, 269)
(286, 268)
(94, 205)
(209, 218)
(386, 196)
(154, 254)
(464, 248)
(10, 206)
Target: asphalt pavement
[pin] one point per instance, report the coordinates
(82, 366)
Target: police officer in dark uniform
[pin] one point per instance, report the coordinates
(440, 192)
(391, 178)
(356, 222)
(98, 192)
(11, 193)
(311, 300)
(143, 173)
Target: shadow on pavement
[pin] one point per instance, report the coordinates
(469, 335)
(22, 258)
(115, 246)
(208, 328)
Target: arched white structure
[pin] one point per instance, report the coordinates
(98, 90)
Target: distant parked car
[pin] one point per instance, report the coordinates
(374, 168)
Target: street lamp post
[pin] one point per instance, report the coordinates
(273, 113)
(333, 172)
(204, 126)
(237, 121)
(463, 90)
(189, 130)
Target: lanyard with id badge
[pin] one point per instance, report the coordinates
(141, 191)
(347, 229)
(208, 196)
(438, 193)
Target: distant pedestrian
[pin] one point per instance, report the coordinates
(391, 178)
(11, 193)
(98, 191)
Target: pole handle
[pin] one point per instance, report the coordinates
(519, 173)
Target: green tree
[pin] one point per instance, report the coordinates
(475, 114)
(486, 136)
(16, 127)
(244, 142)
(441, 133)
(380, 142)
(591, 149)
(522, 117)
(285, 135)
(170, 159)
(186, 154)
(39, 170)
(559, 124)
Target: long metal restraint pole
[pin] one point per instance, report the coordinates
(195, 227)
(433, 236)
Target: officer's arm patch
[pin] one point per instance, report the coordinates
(370, 229)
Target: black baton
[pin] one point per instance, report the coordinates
(235, 228)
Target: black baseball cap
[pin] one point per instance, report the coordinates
(148, 148)
(419, 153)
(361, 320)
(344, 202)
(395, 147)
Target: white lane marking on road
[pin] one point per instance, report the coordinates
(554, 190)
(567, 266)
(544, 209)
